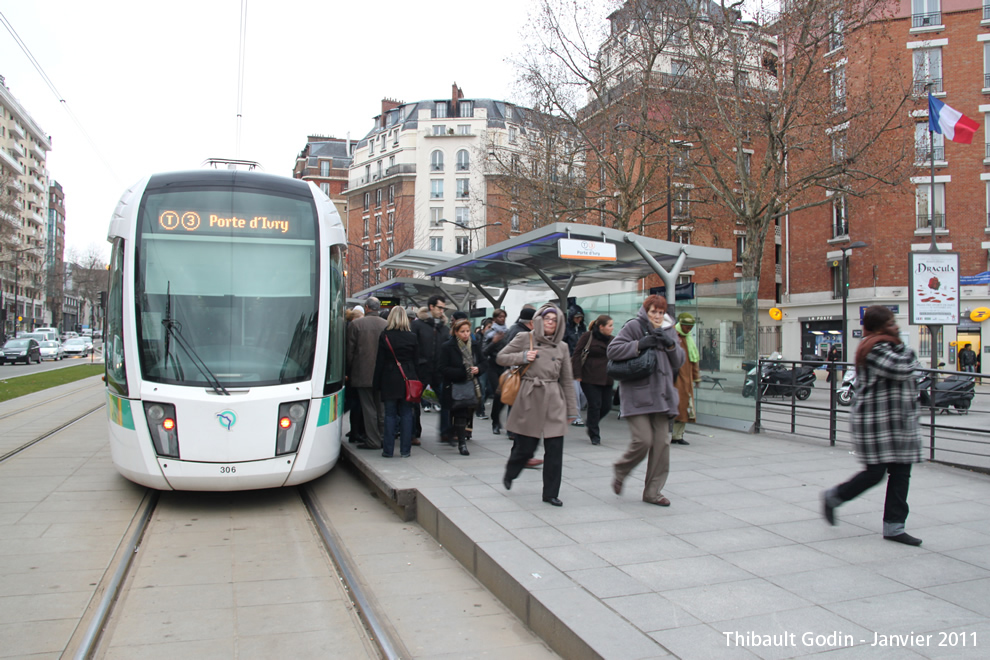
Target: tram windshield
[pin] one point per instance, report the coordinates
(226, 287)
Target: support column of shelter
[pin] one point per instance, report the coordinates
(463, 303)
(496, 302)
(669, 278)
(562, 293)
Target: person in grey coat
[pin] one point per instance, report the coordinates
(545, 404)
(648, 404)
(362, 355)
(884, 423)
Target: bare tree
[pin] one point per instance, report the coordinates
(89, 277)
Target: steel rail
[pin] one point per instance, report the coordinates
(31, 443)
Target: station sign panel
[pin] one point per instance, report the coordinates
(571, 248)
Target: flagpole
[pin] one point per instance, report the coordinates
(931, 190)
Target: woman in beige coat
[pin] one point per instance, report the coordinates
(545, 405)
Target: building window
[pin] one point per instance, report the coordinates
(436, 161)
(678, 68)
(515, 222)
(840, 216)
(391, 164)
(462, 216)
(513, 134)
(371, 147)
(378, 198)
(378, 225)
(439, 130)
(436, 188)
(436, 243)
(325, 187)
(681, 205)
(837, 83)
(926, 13)
(466, 109)
(440, 110)
(367, 201)
(839, 147)
(391, 223)
(684, 238)
(923, 206)
(365, 230)
(922, 149)
(390, 248)
(463, 129)
(463, 160)
(463, 245)
(927, 70)
(836, 281)
(378, 169)
(391, 195)
(436, 215)
(463, 189)
(986, 59)
(740, 248)
(837, 36)
(324, 168)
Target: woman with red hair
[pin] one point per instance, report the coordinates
(648, 404)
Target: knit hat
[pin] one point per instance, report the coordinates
(527, 314)
(685, 318)
(358, 308)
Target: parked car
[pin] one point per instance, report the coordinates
(22, 349)
(52, 350)
(77, 346)
(68, 334)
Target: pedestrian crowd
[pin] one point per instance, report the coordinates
(649, 368)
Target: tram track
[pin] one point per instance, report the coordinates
(44, 436)
(45, 402)
(95, 634)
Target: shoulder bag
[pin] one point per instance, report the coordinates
(463, 394)
(414, 388)
(635, 368)
(511, 379)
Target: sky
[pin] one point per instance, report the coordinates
(154, 85)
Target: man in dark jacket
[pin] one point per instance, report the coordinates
(362, 354)
(432, 332)
(967, 359)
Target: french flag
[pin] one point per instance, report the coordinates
(950, 122)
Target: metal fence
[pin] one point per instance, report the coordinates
(954, 408)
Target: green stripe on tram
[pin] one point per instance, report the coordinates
(119, 411)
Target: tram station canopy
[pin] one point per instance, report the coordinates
(416, 291)
(534, 260)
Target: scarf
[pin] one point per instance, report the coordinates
(468, 358)
(692, 349)
(871, 339)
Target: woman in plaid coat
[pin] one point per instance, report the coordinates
(884, 422)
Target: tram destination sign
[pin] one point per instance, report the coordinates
(192, 221)
(934, 288)
(570, 248)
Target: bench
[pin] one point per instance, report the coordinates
(716, 381)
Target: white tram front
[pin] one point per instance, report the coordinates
(225, 331)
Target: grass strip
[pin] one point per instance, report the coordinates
(20, 385)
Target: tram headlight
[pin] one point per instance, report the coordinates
(163, 428)
(291, 422)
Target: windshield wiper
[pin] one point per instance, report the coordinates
(174, 329)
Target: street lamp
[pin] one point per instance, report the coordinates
(845, 293)
(471, 229)
(623, 127)
(17, 274)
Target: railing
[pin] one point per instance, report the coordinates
(926, 20)
(835, 40)
(987, 152)
(986, 12)
(952, 406)
(840, 229)
(404, 168)
(923, 222)
(986, 80)
(839, 103)
(921, 86)
(923, 155)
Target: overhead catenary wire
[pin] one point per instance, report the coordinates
(51, 85)
(240, 77)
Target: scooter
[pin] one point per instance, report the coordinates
(955, 391)
(775, 380)
(846, 390)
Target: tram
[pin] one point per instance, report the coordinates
(224, 343)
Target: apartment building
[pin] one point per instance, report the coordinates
(418, 181)
(945, 47)
(325, 161)
(55, 255)
(23, 154)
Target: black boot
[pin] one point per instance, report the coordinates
(496, 428)
(463, 449)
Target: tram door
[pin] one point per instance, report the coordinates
(710, 360)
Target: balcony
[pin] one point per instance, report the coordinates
(17, 149)
(37, 151)
(923, 222)
(11, 162)
(404, 168)
(35, 184)
(929, 20)
(921, 86)
(923, 155)
(17, 130)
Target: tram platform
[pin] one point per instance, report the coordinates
(740, 565)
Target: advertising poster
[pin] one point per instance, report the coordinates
(934, 283)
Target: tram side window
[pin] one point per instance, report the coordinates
(335, 353)
(116, 372)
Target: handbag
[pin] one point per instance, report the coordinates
(635, 368)
(462, 395)
(511, 380)
(414, 388)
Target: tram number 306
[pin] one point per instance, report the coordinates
(227, 469)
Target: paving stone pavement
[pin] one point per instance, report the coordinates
(741, 565)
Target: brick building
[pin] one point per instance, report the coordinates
(325, 161)
(944, 43)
